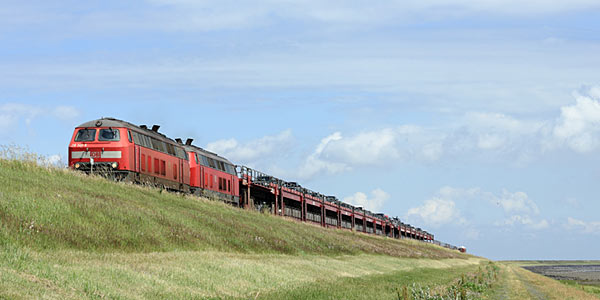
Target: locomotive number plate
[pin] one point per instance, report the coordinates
(95, 154)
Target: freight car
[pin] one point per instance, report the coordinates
(124, 151)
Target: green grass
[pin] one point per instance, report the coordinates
(593, 289)
(201, 274)
(65, 235)
(551, 262)
(54, 209)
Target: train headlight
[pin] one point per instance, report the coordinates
(114, 165)
(77, 165)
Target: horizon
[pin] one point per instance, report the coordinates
(478, 122)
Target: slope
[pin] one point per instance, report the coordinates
(64, 235)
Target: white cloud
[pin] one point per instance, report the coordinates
(209, 15)
(518, 208)
(12, 113)
(214, 15)
(7, 121)
(337, 153)
(454, 193)
(516, 203)
(252, 150)
(477, 135)
(365, 148)
(314, 164)
(524, 220)
(490, 141)
(582, 226)
(472, 234)
(66, 113)
(437, 211)
(573, 202)
(432, 151)
(442, 209)
(579, 124)
(373, 203)
(495, 131)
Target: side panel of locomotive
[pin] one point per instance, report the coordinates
(212, 175)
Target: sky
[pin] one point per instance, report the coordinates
(478, 121)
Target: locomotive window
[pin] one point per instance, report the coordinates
(230, 169)
(109, 135)
(129, 136)
(135, 137)
(182, 153)
(211, 163)
(156, 145)
(85, 135)
(145, 141)
(204, 160)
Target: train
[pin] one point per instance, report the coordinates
(141, 154)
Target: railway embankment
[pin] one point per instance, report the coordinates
(65, 235)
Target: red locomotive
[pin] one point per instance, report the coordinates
(129, 152)
(138, 154)
(211, 175)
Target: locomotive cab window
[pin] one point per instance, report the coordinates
(85, 135)
(111, 135)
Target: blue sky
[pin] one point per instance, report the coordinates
(476, 120)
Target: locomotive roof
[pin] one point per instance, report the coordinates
(112, 122)
(206, 153)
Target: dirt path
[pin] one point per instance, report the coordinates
(533, 291)
(518, 283)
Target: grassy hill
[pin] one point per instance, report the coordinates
(64, 235)
(51, 209)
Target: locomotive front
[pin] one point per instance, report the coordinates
(100, 146)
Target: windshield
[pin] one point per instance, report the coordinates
(85, 135)
(108, 135)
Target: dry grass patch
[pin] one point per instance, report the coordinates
(188, 274)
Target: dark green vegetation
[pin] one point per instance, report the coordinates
(592, 288)
(469, 286)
